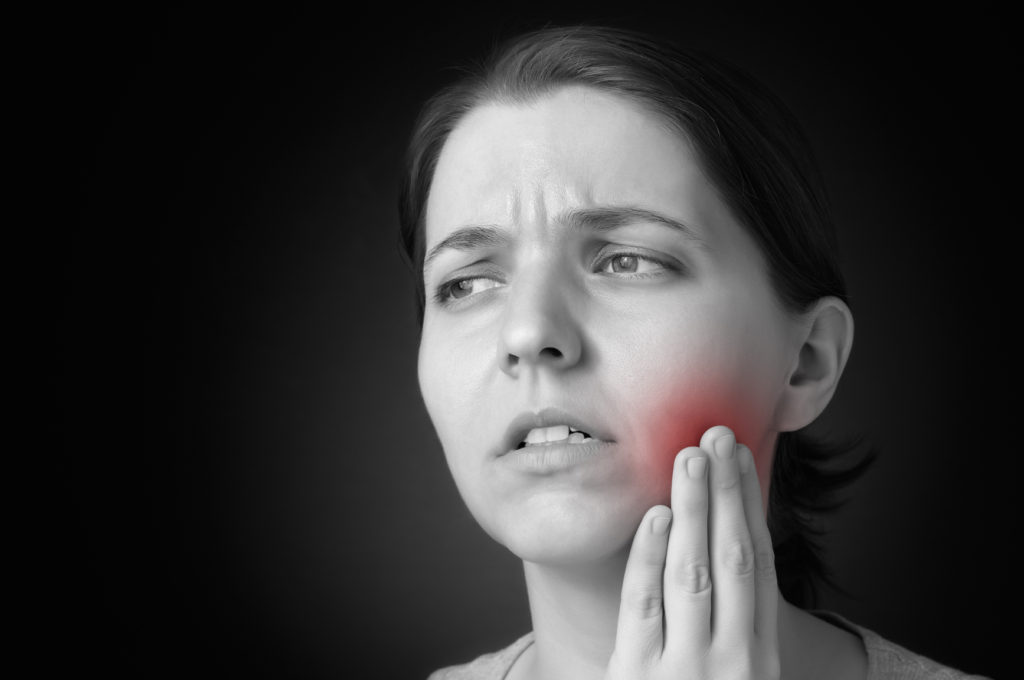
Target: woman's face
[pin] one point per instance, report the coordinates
(581, 271)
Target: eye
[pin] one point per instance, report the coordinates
(463, 288)
(632, 263)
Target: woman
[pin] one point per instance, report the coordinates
(630, 305)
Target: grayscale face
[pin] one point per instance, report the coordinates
(582, 271)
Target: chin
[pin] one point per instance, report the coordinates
(568, 531)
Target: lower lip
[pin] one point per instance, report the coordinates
(551, 458)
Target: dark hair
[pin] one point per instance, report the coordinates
(757, 158)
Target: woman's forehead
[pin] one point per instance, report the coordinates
(574, 148)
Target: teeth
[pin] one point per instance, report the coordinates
(555, 433)
(536, 437)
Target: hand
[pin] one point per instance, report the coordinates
(700, 596)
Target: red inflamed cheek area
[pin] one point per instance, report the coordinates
(681, 421)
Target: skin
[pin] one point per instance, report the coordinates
(651, 336)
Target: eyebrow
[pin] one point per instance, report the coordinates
(467, 238)
(599, 219)
(607, 218)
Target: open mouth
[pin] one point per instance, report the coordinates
(555, 434)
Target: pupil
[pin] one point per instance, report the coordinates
(624, 263)
(462, 288)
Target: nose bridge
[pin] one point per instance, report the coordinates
(539, 325)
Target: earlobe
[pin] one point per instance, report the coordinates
(826, 337)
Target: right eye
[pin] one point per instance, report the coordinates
(459, 289)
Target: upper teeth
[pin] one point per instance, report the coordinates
(555, 433)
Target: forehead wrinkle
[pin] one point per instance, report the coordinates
(536, 206)
(514, 207)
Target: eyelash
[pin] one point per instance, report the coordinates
(443, 294)
(603, 262)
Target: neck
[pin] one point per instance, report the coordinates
(575, 610)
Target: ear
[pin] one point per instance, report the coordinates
(826, 337)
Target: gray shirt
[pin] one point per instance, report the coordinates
(886, 661)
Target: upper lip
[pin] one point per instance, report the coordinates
(524, 422)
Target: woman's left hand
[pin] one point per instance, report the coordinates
(700, 596)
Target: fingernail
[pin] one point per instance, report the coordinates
(696, 467)
(659, 525)
(746, 460)
(725, 446)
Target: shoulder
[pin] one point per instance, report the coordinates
(889, 661)
(493, 666)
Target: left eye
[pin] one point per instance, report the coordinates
(629, 263)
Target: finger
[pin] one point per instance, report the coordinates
(766, 583)
(639, 638)
(687, 567)
(732, 557)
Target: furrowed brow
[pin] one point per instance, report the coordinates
(606, 218)
(467, 238)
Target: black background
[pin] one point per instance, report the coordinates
(250, 484)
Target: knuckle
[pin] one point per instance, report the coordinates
(728, 481)
(694, 577)
(766, 565)
(652, 559)
(738, 558)
(643, 603)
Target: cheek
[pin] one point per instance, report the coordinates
(679, 418)
(720, 386)
(450, 383)
(436, 389)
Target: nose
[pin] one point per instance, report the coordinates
(539, 327)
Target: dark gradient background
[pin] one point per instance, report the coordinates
(250, 486)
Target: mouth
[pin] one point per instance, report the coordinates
(555, 434)
(550, 427)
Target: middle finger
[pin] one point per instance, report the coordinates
(731, 548)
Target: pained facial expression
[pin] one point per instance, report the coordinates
(580, 261)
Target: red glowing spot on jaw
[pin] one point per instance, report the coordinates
(681, 422)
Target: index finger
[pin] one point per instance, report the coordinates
(688, 566)
(638, 638)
